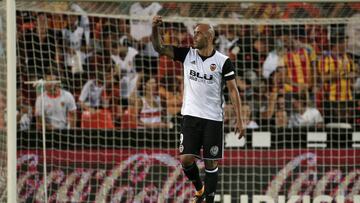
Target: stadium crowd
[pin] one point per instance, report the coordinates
(111, 77)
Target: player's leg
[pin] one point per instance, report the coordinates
(211, 179)
(191, 171)
(190, 145)
(213, 151)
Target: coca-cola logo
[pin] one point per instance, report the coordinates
(118, 184)
(158, 177)
(300, 177)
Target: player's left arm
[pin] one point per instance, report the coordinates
(228, 73)
(236, 102)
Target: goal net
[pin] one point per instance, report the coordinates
(100, 110)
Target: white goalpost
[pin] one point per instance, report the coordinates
(10, 98)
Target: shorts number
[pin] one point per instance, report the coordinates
(181, 138)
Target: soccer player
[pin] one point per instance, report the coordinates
(205, 72)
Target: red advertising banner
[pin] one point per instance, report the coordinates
(129, 175)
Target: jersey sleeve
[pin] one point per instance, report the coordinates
(85, 92)
(71, 102)
(228, 70)
(180, 53)
(38, 106)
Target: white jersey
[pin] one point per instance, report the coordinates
(310, 117)
(91, 94)
(142, 28)
(204, 79)
(73, 38)
(150, 114)
(56, 108)
(127, 71)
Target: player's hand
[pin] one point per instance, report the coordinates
(157, 20)
(240, 128)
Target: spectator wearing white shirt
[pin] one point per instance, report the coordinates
(90, 96)
(76, 36)
(24, 113)
(141, 30)
(227, 38)
(59, 106)
(123, 59)
(303, 115)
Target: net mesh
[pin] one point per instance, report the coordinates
(112, 123)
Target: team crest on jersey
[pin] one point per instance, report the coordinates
(181, 148)
(62, 104)
(193, 62)
(214, 150)
(212, 67)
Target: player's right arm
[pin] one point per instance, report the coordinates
(166, 50)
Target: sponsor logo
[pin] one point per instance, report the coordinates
(199, 77)
(212, 67)
(214, 150)
(181, 148)
(120, 182)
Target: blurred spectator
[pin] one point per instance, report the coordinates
(250, 53)
(123, 58)
(246, 116)
(24, 113)
(227, 38)
(185, 9)
(90, 97)
(141, 30)
(104, 108)
(57, 22)
(149, 105)
(352, 31)
(2, 37)
(341, 9)
(111, 98)
(273, 113)
(24, 21)
(230, 117)
(302, 114)
(177, 36)
(109, 36)
(301, 10)
(337, 73)
(76, 40)
(38, 48)
(59, 106)
(2, 111)
(299, 61)
(171, 92)
(281, 116)
(275, 58)
(317, 37)
(231, 10)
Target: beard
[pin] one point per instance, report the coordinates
(200, 45)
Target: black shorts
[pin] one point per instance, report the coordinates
(197, 133)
